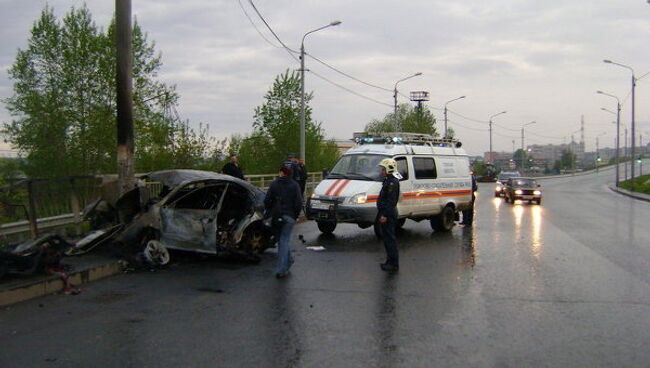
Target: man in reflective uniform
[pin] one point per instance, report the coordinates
(387, 212)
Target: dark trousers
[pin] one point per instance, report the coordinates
(468, 214)
(390, 242)
(302, 184)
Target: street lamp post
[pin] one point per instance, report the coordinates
(490, 122)
(633, 122)
(597, 159)
(523, 152)
(395, 96)
(302, 85)
(618, 131)
(446, 103)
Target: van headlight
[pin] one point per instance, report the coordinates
(537, 192)
(519, 192)
(360, 198)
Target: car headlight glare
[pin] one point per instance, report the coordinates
(498, 189)
(360, 198)
(314, 196)
(537, 192)
(519, 192)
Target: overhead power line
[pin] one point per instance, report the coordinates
(467, 118)
(255, 26)
(349, 90)
(348, 75)
(293, 53)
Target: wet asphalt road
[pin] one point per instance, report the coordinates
(565, 284)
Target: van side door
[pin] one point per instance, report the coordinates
(404, 206)
(425, 198)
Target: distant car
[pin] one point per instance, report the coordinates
(501, 180)
(525, 189)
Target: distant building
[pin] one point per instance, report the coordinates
(501, 160)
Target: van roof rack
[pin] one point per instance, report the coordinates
(404, 138)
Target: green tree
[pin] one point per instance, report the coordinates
(567, 160)
(64, 102)
(409, 119)
(276, 131)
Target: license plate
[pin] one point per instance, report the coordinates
(320, 205)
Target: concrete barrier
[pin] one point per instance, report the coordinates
(20, 291)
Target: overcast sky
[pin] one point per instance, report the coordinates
(539, 60)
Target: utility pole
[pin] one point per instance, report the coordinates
(446, 103)
(490, 123)
(625, 153)
(125, 142)
(523, 152)
(597, 156)
(397, 125)
(302, 85)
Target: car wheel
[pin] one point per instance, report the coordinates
(156, 253)
(539, 201)
(497, 194)
(256, 239)
(326, 227)
(443, 221)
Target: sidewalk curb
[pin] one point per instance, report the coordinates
(639, 196)
(52, 284)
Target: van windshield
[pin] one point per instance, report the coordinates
(358, 167)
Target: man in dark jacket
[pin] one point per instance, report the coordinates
(284, 202)
(232, 168)
(468, 214)
(387, 212)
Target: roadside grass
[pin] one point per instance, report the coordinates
(641, 184)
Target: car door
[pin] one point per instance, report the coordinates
(425, 198)
(189, 219)
(404, 206)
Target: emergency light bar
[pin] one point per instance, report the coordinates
(404, 138)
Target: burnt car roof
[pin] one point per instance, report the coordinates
(173, 178)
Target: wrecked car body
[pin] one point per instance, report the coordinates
(33, 256)
(187, 210)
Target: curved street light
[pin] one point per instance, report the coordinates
(446, 103)
(490, 122)
(302, 84)
(523, 166)
(618, 130)
(634, 80)
(395, 94)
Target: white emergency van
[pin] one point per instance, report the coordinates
(435, 182)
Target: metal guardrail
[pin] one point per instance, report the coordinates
(49, 223)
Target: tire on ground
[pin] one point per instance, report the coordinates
(326, 227)
(444, 221)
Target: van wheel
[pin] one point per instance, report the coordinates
(400, 223)
(326, 227)
(443, 221)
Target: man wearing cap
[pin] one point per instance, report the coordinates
(387, 212)
(232, 168)
(283, 201)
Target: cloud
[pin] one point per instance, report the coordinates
(540, 60)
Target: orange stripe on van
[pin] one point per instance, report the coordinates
(341, 187)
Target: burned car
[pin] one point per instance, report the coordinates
(188, 210)
(33, 256)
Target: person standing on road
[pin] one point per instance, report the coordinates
(232, 168)
(283, 202)
(387, 212)
(468, 214)
(302, 178)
